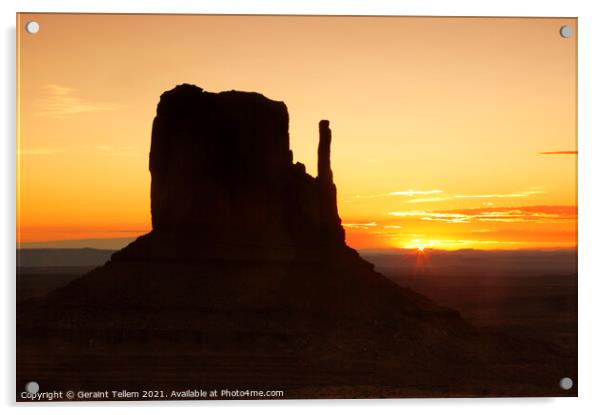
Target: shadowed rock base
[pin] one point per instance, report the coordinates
(312, 331)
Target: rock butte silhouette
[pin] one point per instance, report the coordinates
(246, 281)
(224, 184)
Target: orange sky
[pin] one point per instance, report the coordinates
(439, 124)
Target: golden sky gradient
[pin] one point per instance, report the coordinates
(447, 132)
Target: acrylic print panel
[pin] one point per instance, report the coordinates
(283, 207)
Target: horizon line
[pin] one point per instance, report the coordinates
(127, 240)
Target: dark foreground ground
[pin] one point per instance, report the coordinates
(525, 313)
(531, 294)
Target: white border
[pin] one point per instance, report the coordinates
(590, 132)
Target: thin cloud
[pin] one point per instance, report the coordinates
(558, 152)
(366, 225)
(410, 192)
(435, 216)
(61, 102)
(429, 199)
(533, 214)
(415, 192)
(525, 193)
(446, 243)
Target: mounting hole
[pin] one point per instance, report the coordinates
(566, 383)
(32, 27)
(566, 31)
(32, 387)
